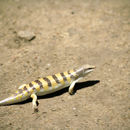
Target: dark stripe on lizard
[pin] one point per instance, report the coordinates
(31, 86)
(56, 79)
(48, 81)
(39, 83)
(63, 76)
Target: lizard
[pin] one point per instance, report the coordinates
(47, 85)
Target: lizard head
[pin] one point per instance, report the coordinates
(84, 70)
(88, 68)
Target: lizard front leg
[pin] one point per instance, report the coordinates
(34, 102)
(71, 88)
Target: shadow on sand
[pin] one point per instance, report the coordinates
(60, 92)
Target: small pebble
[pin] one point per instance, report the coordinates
(26, 35)
(48, 66)
(74, 108)
(53, 109)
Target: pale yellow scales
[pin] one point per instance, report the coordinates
(47, 85)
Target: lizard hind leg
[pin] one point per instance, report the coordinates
(34, 102)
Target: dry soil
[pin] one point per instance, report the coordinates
(69, 33)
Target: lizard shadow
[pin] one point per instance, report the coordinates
(78, 86)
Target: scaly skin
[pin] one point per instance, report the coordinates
(47, 85)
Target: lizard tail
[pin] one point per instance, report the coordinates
(12, 100)
(7, 101)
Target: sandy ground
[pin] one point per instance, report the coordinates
(69, 33)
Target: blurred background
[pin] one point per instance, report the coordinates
(43, 37)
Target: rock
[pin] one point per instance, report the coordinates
(26, 35)
(74, 108)
(48, 66)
